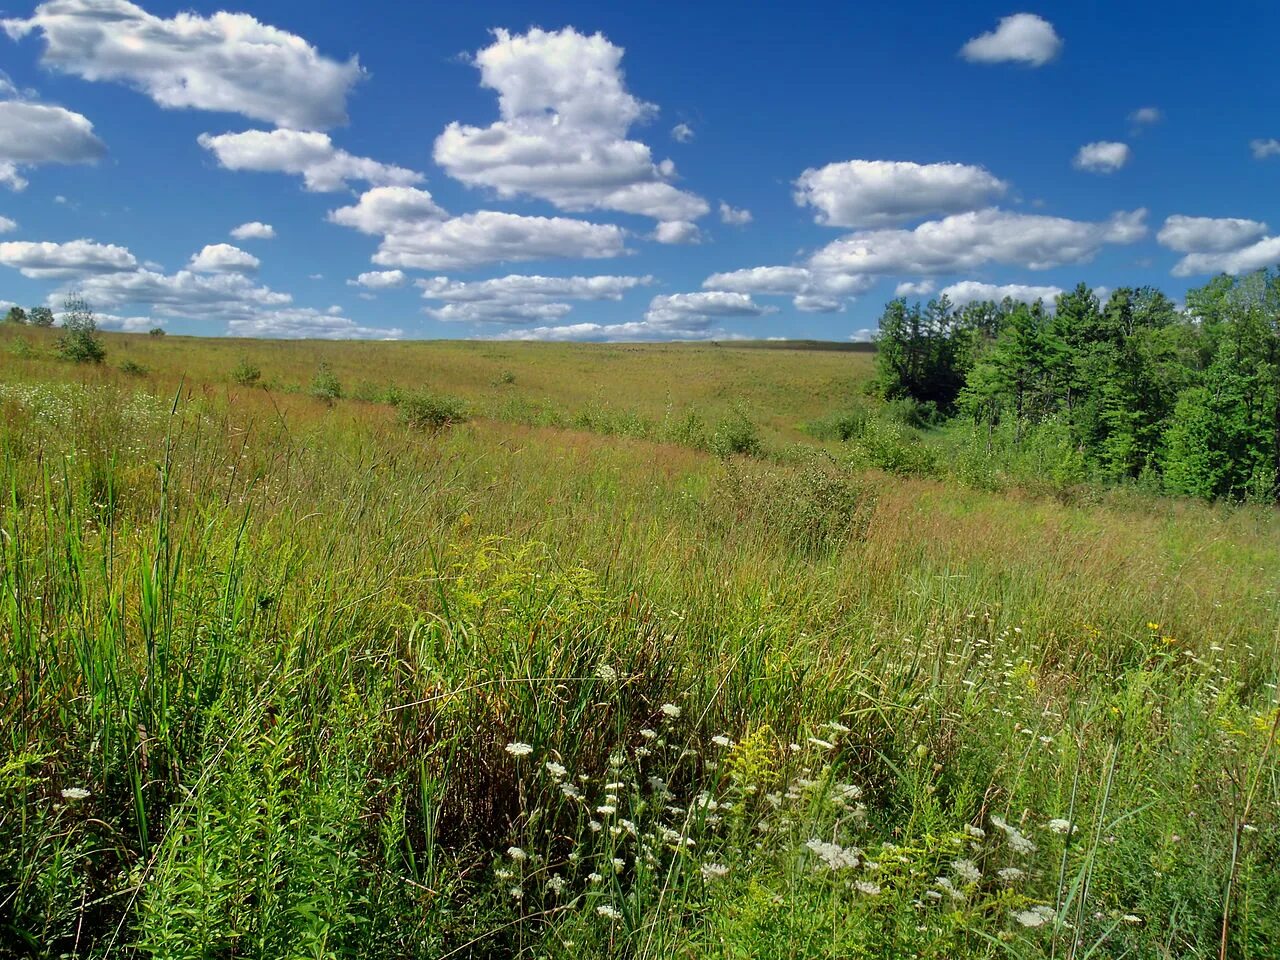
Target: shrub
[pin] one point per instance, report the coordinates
(79, 342)
(133, 368)
(843, 425)
(430, 411)
(505, 379)
(16, 315)
(22, 349)
(324, 385)
(40, 317)
(688, 431)
(736, 434)
(156, 332)
(245, 373)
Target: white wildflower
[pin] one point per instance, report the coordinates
(556, 770)
(823, 744)
(867, 887)
(75, 793)
(670, 710)
(1035, 917)
(613, 913)
(720, 740)
(555, 884)
(1010, 874)
(713, 871)
(966, 870)
(1058, 825)
(973, 831)
(606, 672)
(516, 854)
(518, 749)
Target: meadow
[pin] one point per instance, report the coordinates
(635, 653)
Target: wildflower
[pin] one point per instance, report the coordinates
(607, 911)
(1058, 825)
(1035, 917)
(556, 770)
(966, 870)
(75, 793)
(517, 893)
(1017, 841)
(570, 791)
(837, 727)
(1131, 918)
(594, 878)
(868, 888)
(502, 873)
(595, 825)
(606, 809)
(518, 749)
(720, 740)
(834, 856)
(649, 734)
(555, 884)
(670, 710)
(606, 672)
(516, 854)
(1010, 874)
(824, 744)
(618, 864)
(973, 831)
(713, 871)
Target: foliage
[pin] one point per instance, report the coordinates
(79, 341)
(736, 434)
(16, 315)
(325, 384)
(246, 373)
(156, 332)
(132, 368)
(40, 317)
(424, 410)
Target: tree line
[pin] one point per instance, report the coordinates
(1184, 398)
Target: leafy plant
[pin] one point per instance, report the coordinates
(428, 411)
(79, 342)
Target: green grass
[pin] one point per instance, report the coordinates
(288, 646)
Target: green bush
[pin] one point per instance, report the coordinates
(843, 425)
(245, 373)
(40, 317)
(156, 332)
(79, 342)
(430, 411)
(133, 368)
(325, 385)
(736, 434)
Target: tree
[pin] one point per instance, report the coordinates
(16, 315)
(40, 317)
(79, 341)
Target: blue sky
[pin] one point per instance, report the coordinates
(578, 172)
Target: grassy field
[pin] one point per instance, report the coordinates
(288, 677)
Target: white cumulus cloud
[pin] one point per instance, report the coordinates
(682, 133)
(874, 193)
(1104, 156)
(7, 225)
(1209, 234)
(966, 241)
(677, 231)
(914, 288)
(32, 134)
(76, 258)
(562, 134)
(379, 280)
(323, 167)
(971, 291)
(227, 62)
(1262, 149)
(1020, 38)
(734, 216)
(254, 230)
(520, 298)
(224, 258)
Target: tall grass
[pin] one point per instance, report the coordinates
(280, 679)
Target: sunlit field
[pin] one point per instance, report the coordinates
(491, 650)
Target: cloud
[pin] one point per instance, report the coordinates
(1209, 234)
(255, 230)
(32, 134)
(678, 316)
(677, 231)
(806, 303)
(788, 282)
(323, 167)
(916, 288)
(874, 193)
(733, 216)
(298, 323)
(971, 291)
(72, 259)
(184, 293)
(1256, 256)
(379, 280)
(7, 225)
(969, 240)
(226, 62)
(682, 133)
(111, 321)
(565, 114)
(1265, 148)
(1020, 38)
(1104, 156)
(418, 234)
(224, 258)
(389, 210)
(1146, 116)
(519, 298)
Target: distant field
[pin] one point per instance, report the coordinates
(288, 676)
